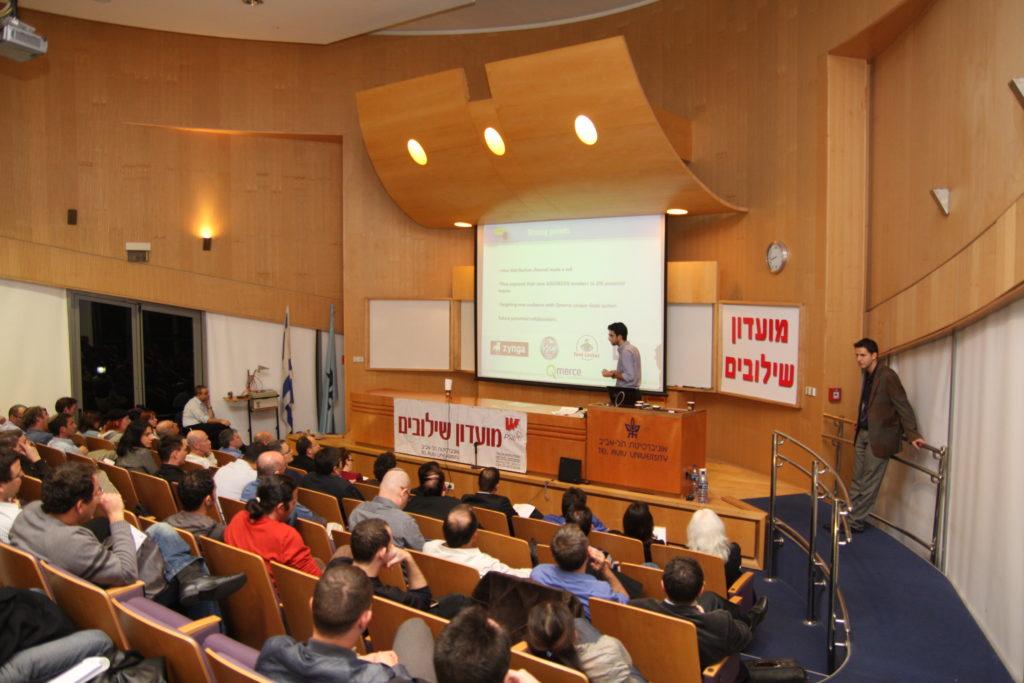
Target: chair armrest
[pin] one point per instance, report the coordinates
(521, 646)
(724, 671)
(201, 629)
(123, 593)
(744, 588)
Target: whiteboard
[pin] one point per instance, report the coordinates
(690, 338)
(409, 334)
(467, 336)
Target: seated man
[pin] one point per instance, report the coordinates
(487, 496)
(573, 556)
(198, 414)
(373, 549)
(15, 419)
(89, 423)
(459, 544)
(63, 426)
(200, 450)
(172, 452)
(392, 497)
(52, 529)
(341, 612)
(719, 632)
(32, 463)
(231, 479)
(198, 495)
(268, 463)
(382, 464)
(573, 498)
(430, 497)
(166, 428)
(10, 484)
(230, 442)
(306, 448)
(476, 649)
(35, 422)
(67, 405)
(327, 477)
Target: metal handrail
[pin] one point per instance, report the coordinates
(840, 500)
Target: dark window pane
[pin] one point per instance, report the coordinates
(169, 361)
(106, 347)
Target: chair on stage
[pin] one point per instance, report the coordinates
(315, 536)
(20, 569)
(492, 520)
(295, 588)
(321, 504)
(515, 552)
(232, 661)
(622, 548)
(430, 527)
(527, 528)
(388, 616)
(155, 494)
(444, 576)
(542, 669)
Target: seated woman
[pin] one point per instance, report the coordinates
(553, 634)
(133, 449)
(262, 528)
(115, 422)
(638, 523)
(706, 534)
(89, 423)
(347, 469)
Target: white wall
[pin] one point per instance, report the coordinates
(35, 357)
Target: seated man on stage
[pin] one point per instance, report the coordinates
(573, 555)
(198, 414)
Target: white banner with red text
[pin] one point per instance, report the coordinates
(761, 352)
(488, 437)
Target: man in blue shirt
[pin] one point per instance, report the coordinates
(573, 554)
(627, 371)
(230, 442)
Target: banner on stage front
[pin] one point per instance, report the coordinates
(450, 431)
(760, 351)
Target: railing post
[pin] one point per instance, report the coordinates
(812, 565)
(771, 559)
(940, 501)
(833, 580)
(840, 431)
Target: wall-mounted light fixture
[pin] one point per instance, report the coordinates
(676, 212)
(206, 232)
(463, 224)
(941, 196)
(586, 131)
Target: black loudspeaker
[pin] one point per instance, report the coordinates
(570, 470)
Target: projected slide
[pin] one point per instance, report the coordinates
(547, 291)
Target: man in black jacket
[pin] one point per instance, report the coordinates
(327, 476)
(487, 496)
(306, 448)
(430, 498)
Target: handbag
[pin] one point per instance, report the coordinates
(776, 671)
(132, 667)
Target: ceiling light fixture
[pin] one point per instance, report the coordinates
(494, 141)
(676, 212)
(252, 3)
(586, 131)
(416, 151)
(463, 224)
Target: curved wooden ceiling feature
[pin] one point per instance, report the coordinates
(546, 172)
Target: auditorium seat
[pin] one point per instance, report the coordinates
(122, 481)
(94, 443)
(315, 536)
(369, 491)
(527, 528)
(231, 661)
(295, 589)
(350, 504)
(187, 536)
(544, 554)
(182, 654)
(322, 504)
(430, 527)
(230, 507)
(542, 669)
(86, 604)
(54, 457)
(19, 569)
(31, 489)
(648, 577)
(78, 439)
(714, 571)
(492, 520)
(389, 615)
(622, 548)
(252, 612)
(389, 576)
(515, 552)
(444, 576)
(82, 460)
(155, 494)
(190, 466)
(223, 458)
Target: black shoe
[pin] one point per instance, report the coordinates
(857, 528)
(756, 614)
(209, 588)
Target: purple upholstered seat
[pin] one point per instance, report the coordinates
(229, 648)
(168, 617)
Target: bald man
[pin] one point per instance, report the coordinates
(200, 450)
(269, 463)
(166, 428)
(388, 505)
(460, 544)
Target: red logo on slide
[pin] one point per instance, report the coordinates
(511, 423)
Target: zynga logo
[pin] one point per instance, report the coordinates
(510, 348)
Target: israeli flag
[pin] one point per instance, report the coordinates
(287, 389)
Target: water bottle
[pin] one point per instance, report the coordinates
(702, 489)
(691, 474)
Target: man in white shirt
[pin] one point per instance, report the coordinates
(460, 545)
(10, 484)
(200, 449)
(14, 417)
(64, 426)
(232, 478)
(198, 414)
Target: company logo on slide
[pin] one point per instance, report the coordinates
(586, 348)
(554, 372)
(548, 348)
(510, 348)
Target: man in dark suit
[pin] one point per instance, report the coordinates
(430, 498)
(327, 477)
(487, 496)
(883, 418)
(720, 632)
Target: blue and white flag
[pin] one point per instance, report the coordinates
(287, 389)
(329, 384)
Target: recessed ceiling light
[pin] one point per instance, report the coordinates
(463, 224)
(416, 151)
(252, 3)
(676, 212)
(586, 131)
(494, 141)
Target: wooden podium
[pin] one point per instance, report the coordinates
(644, 449)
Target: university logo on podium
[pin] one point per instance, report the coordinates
(632, 428)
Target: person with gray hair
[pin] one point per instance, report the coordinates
(270, 463)
(200, 450)
(706, 534)
(388, 506)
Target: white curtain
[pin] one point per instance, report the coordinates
(985, 554)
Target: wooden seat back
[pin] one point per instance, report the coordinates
(527, 528)
(122, 481)
(95, 443)
(444, 576)
(31, 489)
(86, 604)
(649, 637)
(19, 569)
(349, 505)
(187, 536)
(649, 578)
(369, 491)
(515, 552)
(544, 554)
(155, 494)
(54, 457)
(491, 520)
(322, 504)
(295, 588)
(430, 527)
(389, 576)
(223, 458)
(252, 612)
(78, 439)
(315, 536)
(622, 548)
(82, 460)
(712, 566)
(230, 507)
(182, 656)
(226, 671)
(542, 669)
(388, 616)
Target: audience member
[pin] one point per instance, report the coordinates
(198, 414)
(719, 632)
(271, 463)
(581, 517)
(306, 448)
(431, 497)
(573, 555)
(10, 484)
(172, 451)
(148, 416)
(263, 437)
(574, 497)
(231, 479)
(384, 463)
(262, 527)
(230, 442)
(67, 405)
(89, 423)
(63, 426)
(341, 613)
(476, 649)
(36, 427)
(553, 634)
(373, 549)
(198, 495)
(348, 471)
(32, 463)
(134, 450)
(638, 523)
(115, 422)
(460, 544)
(388, 505)
(706, 533)
(200, 450)
(15, 419)
(52, 529)
(487, 496)
(327, 477)
(166, 428)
